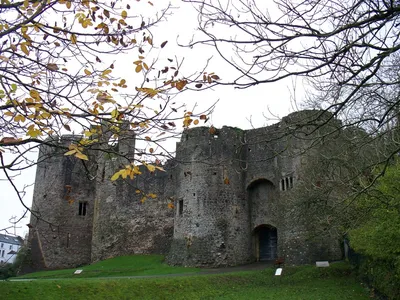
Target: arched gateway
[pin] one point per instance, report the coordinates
(266, 242)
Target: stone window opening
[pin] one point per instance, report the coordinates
(68, 238)
(180, 207)
(82, 208)
(286, 183)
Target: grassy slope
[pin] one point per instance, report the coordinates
(306, 282)
(135, 265)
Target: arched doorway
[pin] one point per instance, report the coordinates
(266, 242)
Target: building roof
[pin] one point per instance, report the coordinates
(10, 239)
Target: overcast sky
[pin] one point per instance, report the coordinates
(234, 107)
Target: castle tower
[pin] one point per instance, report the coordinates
(211, 215)
(62, 210)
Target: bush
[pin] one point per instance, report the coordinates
(7, 270)
(381, 275)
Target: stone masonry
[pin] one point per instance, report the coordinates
(232, 189)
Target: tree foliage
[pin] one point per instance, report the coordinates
(379, 233)
(87, 67)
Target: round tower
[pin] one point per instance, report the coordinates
(211, 215)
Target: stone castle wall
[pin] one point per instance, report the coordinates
(230, 188)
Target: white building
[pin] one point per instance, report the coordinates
(9, 246)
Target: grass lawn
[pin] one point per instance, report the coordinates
(134, 265)
(305, 282)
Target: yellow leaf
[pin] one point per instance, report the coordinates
(34, 94)
(137, 191)
(24, 49)
(106, 72)
(115, 176)
(153, 196)
(145, 66)
(70, 152)
(226, 180)
(124, 14)
(73, 38)
(87, 72)
(20, 118)
(114, 113)
(9, 113)
(148, 91)
(171, 205)
(151, 168)
(138, 68)
(196, 122)
(81, 156)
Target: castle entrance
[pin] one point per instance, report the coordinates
(266, 240)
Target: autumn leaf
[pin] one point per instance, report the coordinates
(20, 118)
(124, 14)
(34, 94)
(138, 68)
(52, 67)
(71, 152)
(163, 44)
(171, 205)
(73, 38)
(81, 156)
(195, 122)
(180, 84)
(24, 49)
(87, 72)
(115, 176)
(106, 72)
(148, 91)
(226, 180)
(151, 168)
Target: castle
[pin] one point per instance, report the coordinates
(232, 192)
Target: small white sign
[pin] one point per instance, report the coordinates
(77, 272)
(278, 272)
(322, 264)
